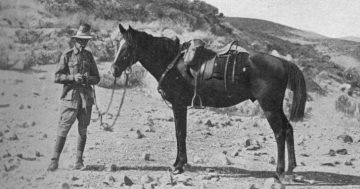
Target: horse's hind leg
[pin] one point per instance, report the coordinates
(290, 145)
(273, 112)
(180, 116)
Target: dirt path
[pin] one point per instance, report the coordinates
(216, 152)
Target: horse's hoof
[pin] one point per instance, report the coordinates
(290, 170)
(177, 171)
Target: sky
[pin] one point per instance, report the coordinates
(332, 18)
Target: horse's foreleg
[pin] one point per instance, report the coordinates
(278, 126)
(180, 116)
(290, 145)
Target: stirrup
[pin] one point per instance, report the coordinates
(200, 106)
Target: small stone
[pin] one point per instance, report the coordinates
(1, 140)
(273, 183)
(65, 186)
(209, 123)
(139, 134)
(1, 134)
(110, 178)
(332, 152)
(307, 155)
(128, 181)
(150, 129)
(345, 138)
(272, 161)
(37, 154)
(28, 106)
(21, 106)
(74, 178)
(302, 164)
(342, 151)
(146, 156)
(19, 156)
(13, 136)
(33, 123)
(349, 162)
(252, 144)
(146, 179)
(328, 164)
(235, 153)
(45, 135)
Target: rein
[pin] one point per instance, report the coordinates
(100, 113)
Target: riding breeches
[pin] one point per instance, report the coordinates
(68, 115)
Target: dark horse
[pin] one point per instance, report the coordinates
(266, 81)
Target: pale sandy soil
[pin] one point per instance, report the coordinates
(33, 98)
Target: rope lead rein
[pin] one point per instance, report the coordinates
(100, 113)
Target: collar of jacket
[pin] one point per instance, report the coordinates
(76, 50)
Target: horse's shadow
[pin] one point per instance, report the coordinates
(320, 178)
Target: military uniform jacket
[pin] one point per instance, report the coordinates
(72, 62)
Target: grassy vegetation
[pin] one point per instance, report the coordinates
(43, 29)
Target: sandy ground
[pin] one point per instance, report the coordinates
(28, 120)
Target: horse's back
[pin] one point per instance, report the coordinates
(268, 76)
(268, 66)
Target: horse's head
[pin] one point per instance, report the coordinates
(127, 54)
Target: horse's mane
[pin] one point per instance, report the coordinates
(160, 44)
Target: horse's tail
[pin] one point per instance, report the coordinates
(296, 83)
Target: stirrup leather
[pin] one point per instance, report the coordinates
(196, 96)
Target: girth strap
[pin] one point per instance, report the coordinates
(168, 68)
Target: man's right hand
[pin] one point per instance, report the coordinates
(78, 78)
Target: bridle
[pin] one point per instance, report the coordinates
(100, 113)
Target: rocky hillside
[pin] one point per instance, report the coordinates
(35, 32)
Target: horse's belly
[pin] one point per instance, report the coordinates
(213, 94)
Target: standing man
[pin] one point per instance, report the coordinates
(77, 71)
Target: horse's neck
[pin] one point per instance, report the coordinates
(156, 63)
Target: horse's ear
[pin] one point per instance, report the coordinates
(122, 29)
(130, 28)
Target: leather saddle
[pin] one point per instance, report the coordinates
(226, 63)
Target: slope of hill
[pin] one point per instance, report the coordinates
(351, 38)
(38, 30)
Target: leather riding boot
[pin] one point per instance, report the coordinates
(80, 150)
(59, 145)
